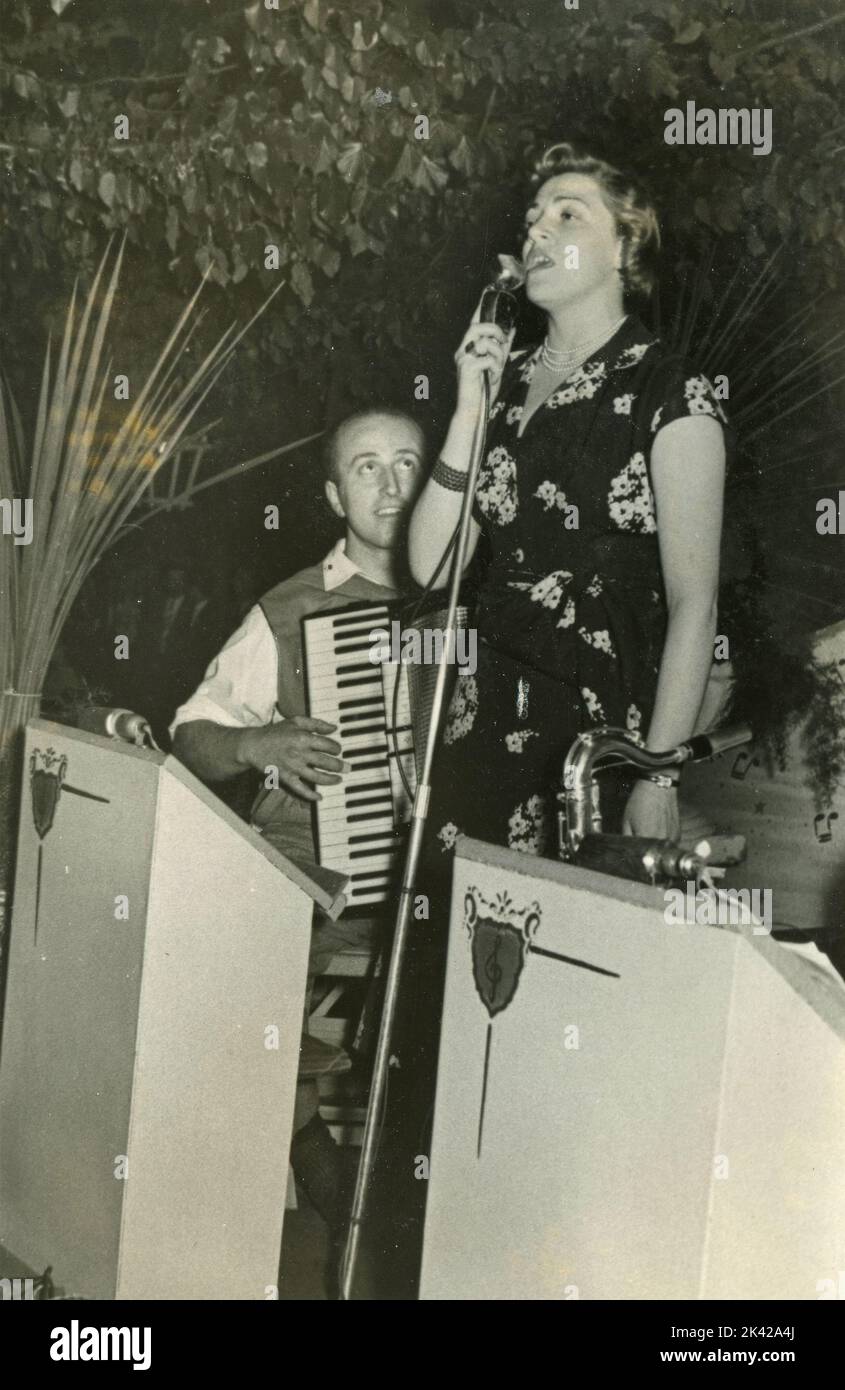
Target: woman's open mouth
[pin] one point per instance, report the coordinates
(538, 262)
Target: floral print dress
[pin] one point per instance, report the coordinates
(571, 614)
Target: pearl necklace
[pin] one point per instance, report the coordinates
(573, 357)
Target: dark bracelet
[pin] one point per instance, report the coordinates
(450, 478)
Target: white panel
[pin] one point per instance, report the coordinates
(227, 950)
(595, 1165)
(146, 1036)
(778, 1219)
(597, 1174)
(71, 1011)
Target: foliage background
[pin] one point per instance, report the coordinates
(252, 126)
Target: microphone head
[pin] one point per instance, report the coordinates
(498, 304)
(510, 275)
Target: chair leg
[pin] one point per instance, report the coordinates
(368, 1019)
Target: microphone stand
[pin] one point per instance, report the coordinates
(419, 815)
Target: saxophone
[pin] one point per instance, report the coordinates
(580, 836)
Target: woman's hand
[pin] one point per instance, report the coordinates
(484, 348)
(652, 811)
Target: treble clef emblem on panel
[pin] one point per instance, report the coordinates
(493, 971)
(500, 934)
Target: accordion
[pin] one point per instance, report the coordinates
(381, 710)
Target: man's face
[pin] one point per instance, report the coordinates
(568, 211)
(378, 470)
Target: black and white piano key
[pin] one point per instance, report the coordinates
(325, 628)
(357, 817)
(339, 821)
(333, 807)
(353, 840)
(355, 790)
(355, 752)
(341, 794)
(330, 627)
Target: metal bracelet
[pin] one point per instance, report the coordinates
(450, 478)
(660, 779)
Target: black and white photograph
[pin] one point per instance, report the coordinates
(422, 663)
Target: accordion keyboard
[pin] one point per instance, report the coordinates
(359, 819)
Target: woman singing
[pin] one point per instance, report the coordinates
(600, 495)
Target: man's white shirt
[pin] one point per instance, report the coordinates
(240, 687)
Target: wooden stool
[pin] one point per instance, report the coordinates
(338, 1017)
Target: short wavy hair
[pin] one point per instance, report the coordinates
(628, 201)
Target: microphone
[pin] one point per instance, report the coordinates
(122, 724)
(498, 302)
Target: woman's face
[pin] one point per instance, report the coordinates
(571, 247)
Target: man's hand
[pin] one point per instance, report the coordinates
(301, 752)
